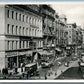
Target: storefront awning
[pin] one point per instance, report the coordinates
(67, 48)
(29, 53)
(82, 53)
(82, 64)
(31, 64)
(58, 49)
(45, 53)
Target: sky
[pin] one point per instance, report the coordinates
(74, 11)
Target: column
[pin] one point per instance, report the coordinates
(17, 61)
(6, 62)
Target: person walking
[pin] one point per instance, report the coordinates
(45, 76)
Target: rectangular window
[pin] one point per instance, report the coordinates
(23, 18)
(19, 17)
(35, 32)
(12, 45)
(16, 16)
(16, 44)
(8, 13)
(12, 29)
(23, 30)
(12, 14)
(23, 44)
(8, 28)
(20, 30)
(8, 45)
(26, 44)
(27, 31)
(26, 18)
(20, 44)
(16, 29)
(32, 32)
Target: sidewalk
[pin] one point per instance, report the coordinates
(60, 70)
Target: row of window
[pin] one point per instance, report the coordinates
(24, 18)
(12, 45)
(19, 30)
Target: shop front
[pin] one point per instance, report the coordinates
(58, 52)
(17, 59)
(45, 55)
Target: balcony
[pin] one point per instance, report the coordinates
(46, 46)
(21, 49)
(21, 35)
(34, 26)
(49, 33)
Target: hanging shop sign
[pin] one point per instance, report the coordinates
(67, 47)
(10, 54)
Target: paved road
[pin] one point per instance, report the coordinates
(71, 73)
(57, 69)
(54, 68)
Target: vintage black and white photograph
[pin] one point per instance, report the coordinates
(42, 41)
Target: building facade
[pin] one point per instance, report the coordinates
(60, 28)
(20, 34)
(48, 27)
(74, 37)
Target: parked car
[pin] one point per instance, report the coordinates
(59, 63)
(74, 58)
(45, 64)
(66, 64)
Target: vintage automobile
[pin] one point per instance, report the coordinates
(59, 63)
(66, 64)
(32, 69)
(45, 64)
(74, 58)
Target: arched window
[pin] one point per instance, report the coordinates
(26, 31)
(20, 30)
(7, 45)
(19, 17)
(23, 18)
(26, 18)
(16, 15)
(8, 26)
(8, 12)
(23, 31)
(16, 30)
(12, 14)
(30, 20)
(12, 31)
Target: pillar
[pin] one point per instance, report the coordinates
(17, 61)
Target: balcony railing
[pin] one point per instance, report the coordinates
(48, 45)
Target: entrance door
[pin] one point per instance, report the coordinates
(12, 62)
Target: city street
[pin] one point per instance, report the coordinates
(38, 42)
(71, 73)
(56, 70)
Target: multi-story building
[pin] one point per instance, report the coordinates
(79, 35)
(62, 27)
(20, 34)
(60, 24)
(48, 27)
(83, 35)
(74, 37)
(71, 29)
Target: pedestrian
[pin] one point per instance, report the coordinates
(49, 74)
(45, 76)
(61, 71)
(27, 75)
(6, 71)
(3, 71)
(23, 74)
(55, 73)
